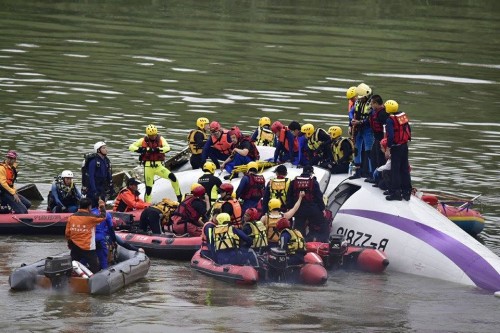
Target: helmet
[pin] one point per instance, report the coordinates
(335, 131)
(209, 167)
(274, 204)
(253, 214)
(235, 131)
(198, 191)
(67, 174)
(363, 90)
(276, 127)
(195, 185)
(214, 126)
(151, 130)
(383, 143)
(307, 129)
(98, 146)
(201, 122)
(11, 154)
(351, 92)
(226, 187)
(252, 165)
(223, 218)
(264, 121)
(391, 106)
(282, 223)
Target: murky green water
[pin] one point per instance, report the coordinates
(76, 72)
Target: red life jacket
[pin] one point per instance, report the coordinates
(151, 144)
(253, 153)
(186, 211)
(402, 132)
(284, 141)
(204, 237)
(255, 189)
(305, 184)
(221, 143)
(376, 126)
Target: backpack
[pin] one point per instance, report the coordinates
(85, 171)
(167, 207)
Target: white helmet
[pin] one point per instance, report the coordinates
(98, 146)
(67, 174)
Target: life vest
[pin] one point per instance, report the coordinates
(402, 132)
(272, 233)
(167, 207)
(221, 143)
(284, 141)
(305, 184)
(338, 153)
(186, 211)
(205, 237)
(253, 152)
(278, 188)
(236, 215)
(259, 234)
(255, 189)
(150, 156)
(225, 238)
(361, 109)
(314, 142)
(265, 137)
(10, 174)
(120, 205)
(296, 243)
(376, 126)
(193, 147)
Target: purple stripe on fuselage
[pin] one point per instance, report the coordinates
(476, 267)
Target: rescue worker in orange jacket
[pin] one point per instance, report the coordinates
(196, 141)
(189, 217)
(8, 193)
(80, 233)
(228, 204)
(153, 148)
(128, 198)
(218, 145)
(287, 148)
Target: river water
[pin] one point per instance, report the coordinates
(76, 72)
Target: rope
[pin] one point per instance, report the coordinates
(35, 226)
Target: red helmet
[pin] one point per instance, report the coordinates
(198, 191)
(11, 154)
(226, 187)
(236, 132)
(282, 223)
(253, 214)
(214, 126)
(276, 127)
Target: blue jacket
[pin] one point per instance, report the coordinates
(208, 145)
(104, 229)
(99, 177)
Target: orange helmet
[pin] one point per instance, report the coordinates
(283, 223)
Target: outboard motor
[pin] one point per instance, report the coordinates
(278, 264)
(58, 270)
(338, 247)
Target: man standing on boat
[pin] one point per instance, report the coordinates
(398, 134)
(153, 148)
(196, 141)
(100, 173)
(8, 192)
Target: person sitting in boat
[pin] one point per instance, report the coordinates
(232, 245)
(255, 228)
(276, 188)
(263, 135)
(64, 196)
(153, 148)
(292, 241)
(228, 204)
(318, 143)
(251, 187)
(287, 147)
(274, 214)
(157, 216)
(80, 231)
(382, 174)
(342, 151)
(218, 145)
(196, 141)
(8, 192)
(210, 182)
(128, 198)
(189, 217)
(310, 213)
(207, 236)
(243, 151)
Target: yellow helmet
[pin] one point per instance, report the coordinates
(223, 218)
(274, 204)
(351, 92)
(264, 121)
(151, 130)
(391, 106)
(201, 122)
(335, 132)
(253, 165)
(209, 167)
(363, 90)
(308, 130)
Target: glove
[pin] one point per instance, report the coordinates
(141, 150)
(155, 150)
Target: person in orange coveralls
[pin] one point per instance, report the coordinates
(128, 198)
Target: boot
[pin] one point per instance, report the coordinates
(396, 196)
(407, 196)
(387, 192)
